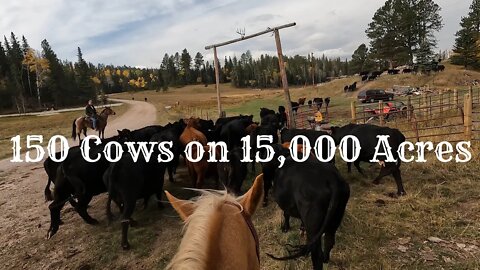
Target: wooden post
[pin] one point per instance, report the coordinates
(467, 109)
(286, 91)
(217, 82)
(380, 108)
(353, 109)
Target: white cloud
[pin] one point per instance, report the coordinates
(139, 33)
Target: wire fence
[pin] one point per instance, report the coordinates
(452, 115)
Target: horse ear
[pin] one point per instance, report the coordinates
(184, 208)
(252, 199)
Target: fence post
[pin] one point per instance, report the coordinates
(380, 108)
(467, 109)
(353, 109)
(409, 108)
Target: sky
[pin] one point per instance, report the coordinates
(139, 33)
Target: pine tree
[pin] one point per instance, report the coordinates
(467, 42)
(56, 83)
(84, 74)
(185, 66)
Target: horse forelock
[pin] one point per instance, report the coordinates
(199, 229)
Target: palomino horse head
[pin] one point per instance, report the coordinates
(218, 230)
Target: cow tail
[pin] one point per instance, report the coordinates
(74, 130)
(304, 250)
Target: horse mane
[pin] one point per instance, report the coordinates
(193, 250)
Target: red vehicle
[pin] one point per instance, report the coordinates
(390, 110)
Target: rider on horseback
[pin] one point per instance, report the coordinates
(91, 113)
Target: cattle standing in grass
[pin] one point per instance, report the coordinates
(406, 70)
(310, 102)
(367, 136)
(301, 101)
(295, 106)
(233, 173)
(317, 194)
(364, 78)
(127, 181)
(318, 102)
(372, 77)
(327, 101)
(345, 89)
(352, 87)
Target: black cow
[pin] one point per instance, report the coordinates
(286, 135)
(172, 134)
(393, 71)
(327, 101)
(145, 134)
(440, 68)
(317, 194)
(127, 181)
(364, 73)
(233, 131)
(377, 73)
(353, 87)
(79, 178)
(271, 120)
(51, 166)
(364, 78)
(295, 106)
(318, 102)
(345, 89)
(407, 70)
(367, 136)
(233, 173)
(265, 111)
(224, 120)
(310, 102)
(372, 77)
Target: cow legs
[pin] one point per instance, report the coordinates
(384, 171)
(82, 209)
(55, 207)
(267, 184)
(398, 180)
(286, 223)
(127, 213)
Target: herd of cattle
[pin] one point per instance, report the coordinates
(312, 191)
(317, 102)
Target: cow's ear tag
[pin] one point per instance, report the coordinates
(184, 208)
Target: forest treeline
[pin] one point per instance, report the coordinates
(402, 32)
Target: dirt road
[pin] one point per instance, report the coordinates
(25, 216)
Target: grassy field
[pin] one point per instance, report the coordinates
(48, 125)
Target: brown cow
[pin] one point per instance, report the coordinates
(198, 171)
(192, 133)
(301, 101)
